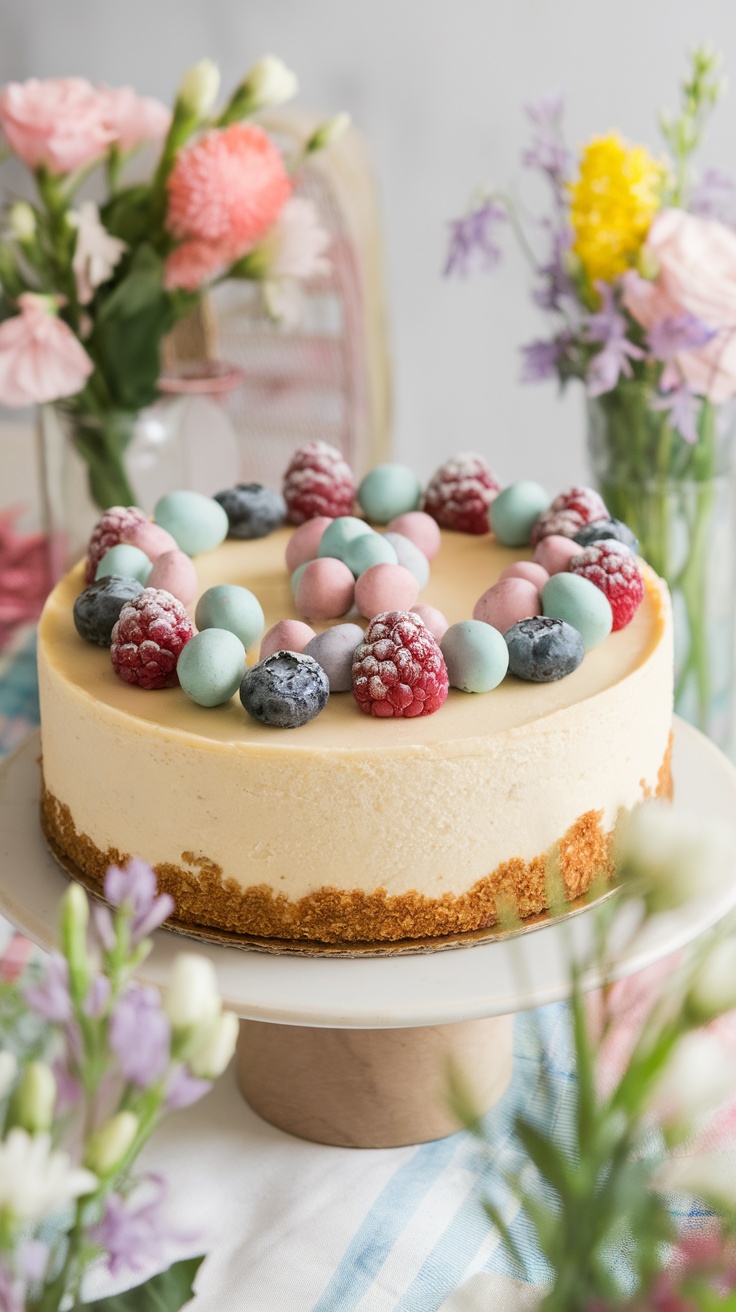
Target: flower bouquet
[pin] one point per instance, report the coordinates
(637, 271)
(89, 290)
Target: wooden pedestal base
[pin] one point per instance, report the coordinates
(370, 1088)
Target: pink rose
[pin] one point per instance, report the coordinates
(696, 259)
(40, 358)
(58, 123)
(133, 119)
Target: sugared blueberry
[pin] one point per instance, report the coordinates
(602, 530)
(252, 510)
(286, 690)
(543, 649)
(97, 609)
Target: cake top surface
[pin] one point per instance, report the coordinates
(465, 566)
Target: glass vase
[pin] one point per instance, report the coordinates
(679, 499)
(88, 462)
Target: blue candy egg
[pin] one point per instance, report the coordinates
(387, 491)
(410, 556)
(340, 533)
(476, 656)
(196, 523)
(578, 602)
(230, 607)
(211, 666)
(513, 513)
(367, 550)
(129, 562)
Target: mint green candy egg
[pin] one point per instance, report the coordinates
(129, 562)
(476, 656)
(388, 491)
(512, 514)
(196, 523)
(297, 575)
(582, 605)
(230, 607)
(342, 531)
(211, 666)
(367, 550)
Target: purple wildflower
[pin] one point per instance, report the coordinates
(140, 1036)
(556, 282)
(684, 332)
(183, 1089)
(68, 1090)
(548, 152)
(714, 197)
(473, 237)
(12, 1292)
(608, 327)
(32, 1259)
(50, 999)
(136, 1237)
(683, 408)
(134, 886)
(102, 921)
(540, 360)
(98, 997)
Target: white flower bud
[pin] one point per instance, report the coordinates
(32, 1103)
(212, 1054)
(269, 82)
(8, 1071)
(328, 133)
(192, 998)
(697, 1077)
(22, 221)
(199, 88)
(110, 1144)
(673, 855)
(713, 990)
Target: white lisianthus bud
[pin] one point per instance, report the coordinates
(74, 921)
(697, 1077)
(199, 88)
(212, 1054)
(22, 221)
(672, 856)
(269, 82)
(35, 1181)
(109, 1145)
(328, 133)
(713, 990)
(8, 1071)
(32, 1103)
(192, 999)
(708, 1176)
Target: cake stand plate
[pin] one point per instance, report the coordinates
(378, 1031)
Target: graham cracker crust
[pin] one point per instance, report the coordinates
(581, 858)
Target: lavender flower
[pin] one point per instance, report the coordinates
(540, 360)
(556, 285)
(140, 1036)
(683, 408)
(12, 1292)
(684, 332)
(608, 327)
(473, 237)
(50, 999)
(183, 1089)
(136, 1237)
(134, 886)
(548, 152)
(95, 1003)
(714, 197)
(68, 1090)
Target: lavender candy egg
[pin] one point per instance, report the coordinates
(334, 650)
(211, 666)
(174, 572)
(476, 656)
(507, 602)
(410, 556)
(126, 561)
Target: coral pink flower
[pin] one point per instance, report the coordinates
(194, 263)
(59, 123)
(40, 358)
(227, 189)
(133, 119)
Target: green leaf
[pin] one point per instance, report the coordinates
(128, 214)
(166, 1292)
(141, 286)
(512, 1252)
(549, 1161)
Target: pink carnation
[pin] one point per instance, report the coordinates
(58, 123)
(227, 189)
(40, 358)
(133, 119)
(194, 263)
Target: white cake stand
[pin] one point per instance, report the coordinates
(355, 1051)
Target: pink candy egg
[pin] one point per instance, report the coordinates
(526, 569)
(151, 538)
(420, 529)
(287, 635)
(385, 587)
(507, 602)
(325, 589)
(303, 544)
(433, 618)
(174, 572)
(555, 553)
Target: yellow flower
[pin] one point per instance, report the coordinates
(612, 204)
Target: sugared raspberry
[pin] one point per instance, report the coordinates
(118, 524)
(147, 639)
(585, 501)
(318, 481)
(459, 494)
(561, 523)
(616, 573)
(398, 669)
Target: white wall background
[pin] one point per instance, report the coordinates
(437, 86)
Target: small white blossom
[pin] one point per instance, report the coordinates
(96, 252)
(35, 1181)
(713, 990)
(8, 1071)
(192, 998)
(293, 252)
(199, 88)
(269, 82)
(212, 1054)
(22, 221)
(329, 132)
(696, 1079)
(673, 855)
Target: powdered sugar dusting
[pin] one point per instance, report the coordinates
(460, 492)
(398, 670)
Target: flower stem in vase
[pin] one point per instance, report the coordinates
(102, 440)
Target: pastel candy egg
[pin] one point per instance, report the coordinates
(325, 589)
(151, 538)
(507, 602)
(586, 609)
(526, 569)
(302, 545)
(433, 618)
(334, 650)
(211, 666)
(130, 563)
(295, 581)
(197, 523)
(410, 557)
(387, 491)
(555, 553)
(419, 528)
(228, 606)
(287, 635)
(385, 587)
(174, 572)
(476, 656)
(339, 533)
(370, 549)
(513, 513)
